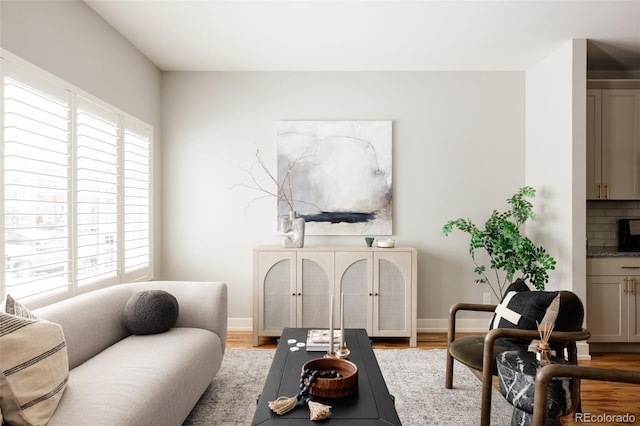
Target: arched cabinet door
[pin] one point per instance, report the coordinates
(392, 294)
(354, 280)
(315, 287)
(275, 304)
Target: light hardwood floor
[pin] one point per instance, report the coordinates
(597, 397)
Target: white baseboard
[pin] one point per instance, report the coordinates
(583, 351)
(240, 324)
(462, 325)
(615, 347)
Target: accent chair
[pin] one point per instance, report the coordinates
(563, 308)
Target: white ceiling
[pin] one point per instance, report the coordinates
(206, 35)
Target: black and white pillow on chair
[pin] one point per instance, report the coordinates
(524, 309)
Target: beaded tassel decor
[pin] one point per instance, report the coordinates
(283, 405)
(318, 411)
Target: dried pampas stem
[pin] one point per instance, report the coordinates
(283, 404)
(318, 411)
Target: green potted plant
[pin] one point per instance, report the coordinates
(510, 254)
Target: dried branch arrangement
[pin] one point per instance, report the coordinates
(283, 188)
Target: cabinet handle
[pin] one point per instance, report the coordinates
(370, 294)
(293, 294)
(376, 294)
(606, 187)
(599, 191)
(630, 267)
(299, 294)
(633, 285)
(626, 285)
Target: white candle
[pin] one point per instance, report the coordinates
(331, 325)
(342, 320)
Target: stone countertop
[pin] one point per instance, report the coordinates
(610, 252)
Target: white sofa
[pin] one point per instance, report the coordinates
(120, 379)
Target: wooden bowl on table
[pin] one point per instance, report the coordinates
(333, 387)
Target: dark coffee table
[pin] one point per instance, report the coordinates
(370, 405)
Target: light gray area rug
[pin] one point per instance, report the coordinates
(414, 376)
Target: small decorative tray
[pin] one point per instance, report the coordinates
(333, 387)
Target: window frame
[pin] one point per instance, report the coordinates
(24, 72)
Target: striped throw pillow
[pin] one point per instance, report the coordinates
(15, 308)
(34, 368)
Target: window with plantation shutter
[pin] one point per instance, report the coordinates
(137, 200)
(97, 135)
(76, 189)
(36, 189)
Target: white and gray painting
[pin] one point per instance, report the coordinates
(343, 183)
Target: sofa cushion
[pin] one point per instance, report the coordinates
(34, 367)
(150, 312)
(153, 379)
(469, 351)
(523, 309)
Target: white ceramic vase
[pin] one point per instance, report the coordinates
(293, 226)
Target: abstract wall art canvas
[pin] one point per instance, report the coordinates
(341, 181)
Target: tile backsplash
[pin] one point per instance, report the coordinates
(602, 220)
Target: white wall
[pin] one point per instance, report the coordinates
(70, 41)
(556, 160)
(458, 146)
(459, 149)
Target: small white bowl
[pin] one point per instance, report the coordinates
(386, 243)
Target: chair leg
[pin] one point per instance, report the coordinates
(572, 356)
(575, 395)
(451, 336)
(488, 359)
(487, 383)
(449, 371)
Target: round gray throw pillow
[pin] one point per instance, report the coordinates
(150, 312)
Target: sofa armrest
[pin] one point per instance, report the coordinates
(201, 304)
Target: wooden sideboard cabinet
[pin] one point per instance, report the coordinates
(293, 288)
